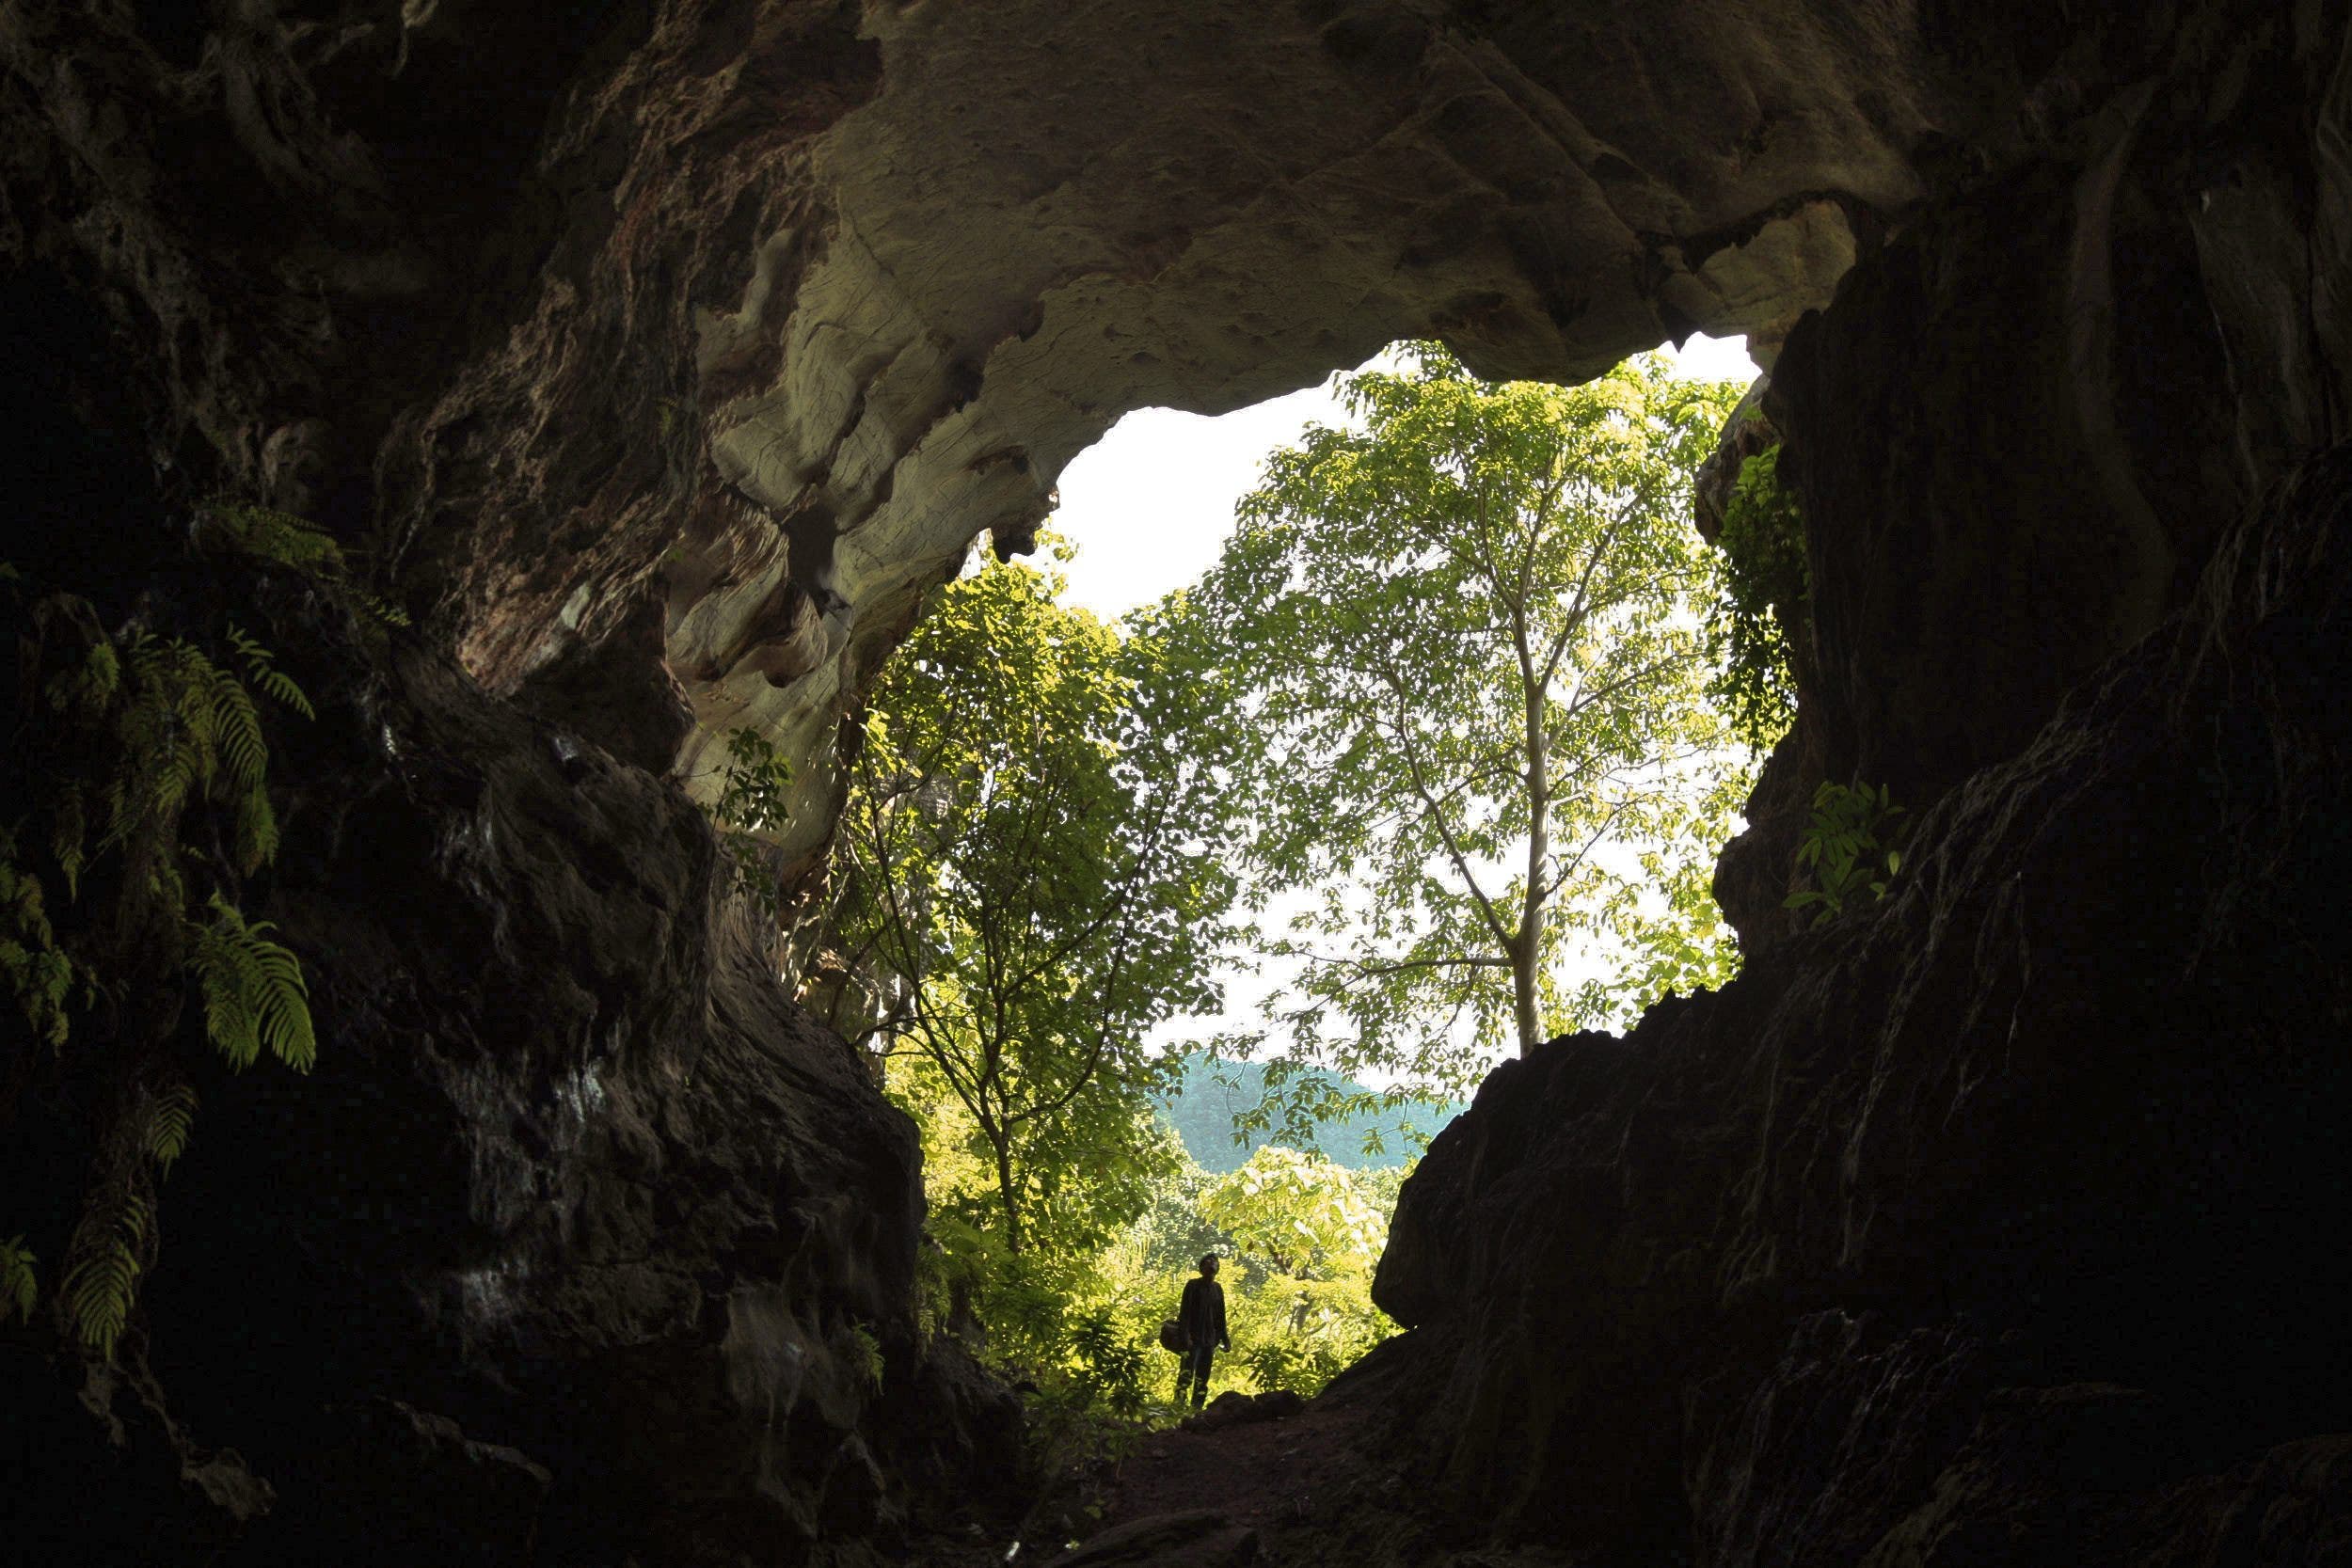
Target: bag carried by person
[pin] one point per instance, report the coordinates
(1172, 1337)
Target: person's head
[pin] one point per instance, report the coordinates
(1208, 1265)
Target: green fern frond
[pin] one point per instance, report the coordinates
(104, 1281)
(66, 836)
(257, 830)
(272, 682)
(253, 989)
(18, 1287)
(169, 1119)
(279, 536)
(237, 727)
(225, 983)
(382, 611)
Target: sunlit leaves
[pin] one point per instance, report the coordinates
(1766, 584)
(1031, 866)
(1299, 1211)
(1850, 847)
(1463, 681)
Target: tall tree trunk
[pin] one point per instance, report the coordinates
(1523, 965)
(1528, 955)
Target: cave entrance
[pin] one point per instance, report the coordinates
(1112, 1109)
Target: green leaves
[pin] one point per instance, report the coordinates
(153, 772)
(1299, 1211)
(103, 1280)
(1463, 681)
(170, 1117)
(752, 807)
(268, 534)
(1847, 847)
(1031, 877)
(18, 1285)
(1766, 588)
(254, 993)
(261, 670)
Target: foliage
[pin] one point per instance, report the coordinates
(1849, 846)
(1030, 866)
(868, 1355)
(1300, 1334)
(19, 1286)
(264, 533)
(1300, 1212)
(1457, 655)
(254, 994)
(749, 811)
(149, 757)
(103, 1281)
(1080, 1321)
(1111, 1365)
(1766, 588)
(1221, 1111)
(170, 1117)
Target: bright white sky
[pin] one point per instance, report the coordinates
(1151, 504)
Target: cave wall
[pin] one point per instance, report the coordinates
(660, 354)
(1991, 1224)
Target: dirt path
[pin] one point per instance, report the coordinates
(1260, 1464)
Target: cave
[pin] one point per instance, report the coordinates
(653, 357)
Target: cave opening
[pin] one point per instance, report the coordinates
(407, 1150)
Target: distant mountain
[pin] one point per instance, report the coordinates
(1204, 1107)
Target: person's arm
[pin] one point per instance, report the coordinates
(1224, 1339)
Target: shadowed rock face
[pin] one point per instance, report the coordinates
(1994, 1224)
(662, 353)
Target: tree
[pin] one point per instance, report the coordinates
(1303, 1214)
(1030, 864)
(1459, 651)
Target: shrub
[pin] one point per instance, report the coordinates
(1767, 587)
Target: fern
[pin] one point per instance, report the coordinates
(271, 681)
(18, 1285)
(170, 1117)
(253, 989)
(270, 534)
(104, 1281)
(152, 727)
(37, 969)
(866, 1358)
(66, 836)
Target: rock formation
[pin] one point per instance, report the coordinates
(660, 354)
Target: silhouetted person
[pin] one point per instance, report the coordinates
(1201, 1314)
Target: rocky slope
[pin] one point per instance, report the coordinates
(657, 354)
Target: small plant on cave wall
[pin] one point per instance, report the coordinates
(1848, 847)
(749, 809)
(1763, 591)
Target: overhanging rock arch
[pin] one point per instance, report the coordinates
(1044, 216)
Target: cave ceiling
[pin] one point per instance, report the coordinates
(677, 347)
(1047, 215)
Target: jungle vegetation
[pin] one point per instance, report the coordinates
(1448, 736)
